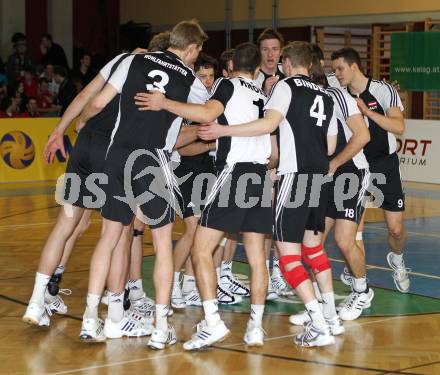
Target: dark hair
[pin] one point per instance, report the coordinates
(160, 42)
(5, 103)
(205, 61)
(47, 36)
(350, 55)
(42, 80)
(60, 70)
(270, 34)
(18, 37)
(316, 50)
(84, 53)
(247, 58)
(226, 56)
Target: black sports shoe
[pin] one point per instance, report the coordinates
(127, 302)
(53, 287)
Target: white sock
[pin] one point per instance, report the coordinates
(217, 271)
(136, 289)
(360, 285)
(41, 281)
(189, 284)
(276, 272)
(328, 305)
(161, 317)
(115, 306)
(397, 258)
(92, 306)
(59, 270)
(317, 291)
(210, 308)
(257, 315)
(226, 268)
(316, 314)
(176, 277)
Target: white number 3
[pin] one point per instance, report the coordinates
(317, 110)
(161, 83)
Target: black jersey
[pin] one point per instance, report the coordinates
(162, 71)
(104, 122)
(380, 96)
(262, 76)
(308, 118)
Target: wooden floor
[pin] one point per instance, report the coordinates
(371, 345)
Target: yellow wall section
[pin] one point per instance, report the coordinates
(167, 12)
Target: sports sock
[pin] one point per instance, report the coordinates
(162, 317)
(189, 283)
(92, 306)
(328, 305)
(315, 313)
(115, 306)
(41, 281)
(59, 270)
(276, 272)
(210, 308)
(256, 315)
(136, 289)
(360, 285)
(226, 268)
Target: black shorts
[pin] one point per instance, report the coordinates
(195, 179)
(296, 209)
(238, 204)
(352, 208)
(392, 190)
(86, 158)
(144, 179)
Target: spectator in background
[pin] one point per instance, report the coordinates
(9, 108)
(19, 59)
(226, 66)
(16, 90)
(3, 91)
(30, 82)
(67, 90)
(48, 75)
(78, 84)
(3, 78)
(45, 100)
(84, 71)
(32, 108)
(52, 53)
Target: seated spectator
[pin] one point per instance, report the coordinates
(17, 91)
(45, 99)
(52, 53)
(30, 82)
(19, 59)
(9, 108)
(48, 74)
(84, 71)
(32, 108)
(67, 90)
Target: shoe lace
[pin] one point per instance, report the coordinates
(66, 292)
(401, 273)
(351, 300)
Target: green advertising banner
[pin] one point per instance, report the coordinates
(415, 60)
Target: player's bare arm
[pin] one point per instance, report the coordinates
(392, 122)
(97, 104)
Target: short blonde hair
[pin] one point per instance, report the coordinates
(186, 33)
(160, 42)
(299, 53)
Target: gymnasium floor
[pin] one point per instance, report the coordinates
(398, 335)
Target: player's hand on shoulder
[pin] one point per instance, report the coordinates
(332, 168)
(269, 84)
(362, 106)
(152, 101)
(139, 50)
(210, 131)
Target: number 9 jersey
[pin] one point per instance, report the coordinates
(308, 118)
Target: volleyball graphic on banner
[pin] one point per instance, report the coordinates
(17, 149)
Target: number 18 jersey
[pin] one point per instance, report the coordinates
(308, 118)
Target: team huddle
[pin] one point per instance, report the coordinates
(275, 154)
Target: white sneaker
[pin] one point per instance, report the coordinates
(346, 277)
(254, 335)
(271, 293)
(177, 300)
(193, 298)
(341, 304)
(280, 286)
(226, 298)
(400, 274)
(355, 304)
(300, 319)
(36, 315)
(206, 336)
(313, 336)
(132, 325)
(142, 304)
(159, 339)
(56, 303)
(92, 330)
(231, 284)
(335, 325)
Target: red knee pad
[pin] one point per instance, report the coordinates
(297, 274)
(317, 264)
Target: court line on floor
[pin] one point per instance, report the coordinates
(369, 226)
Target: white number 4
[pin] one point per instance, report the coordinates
(161, 83)
(317, 110)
